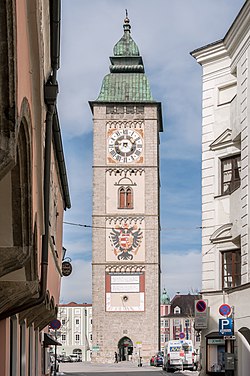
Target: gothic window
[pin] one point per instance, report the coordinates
(230, 174)
(231, 269)
(125, 196)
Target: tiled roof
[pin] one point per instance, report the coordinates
(73, 304)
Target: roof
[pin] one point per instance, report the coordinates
(73, 304)
(185, 303)
(126, 80)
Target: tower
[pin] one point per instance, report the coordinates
(125, 248)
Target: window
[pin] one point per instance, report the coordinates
(125, 198)
(177, 310)
(77, 321)
(230, 174)
(77, 337)
(90, 337)
(177, 322)
(63, 321)
(231, 268)
(63, 337)
(166, 323)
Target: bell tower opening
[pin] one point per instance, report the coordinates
(125, 348)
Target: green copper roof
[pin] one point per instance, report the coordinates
(165, 297)
(126, 81)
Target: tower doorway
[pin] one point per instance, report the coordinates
(125, 348)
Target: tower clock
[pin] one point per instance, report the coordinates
(125, 249)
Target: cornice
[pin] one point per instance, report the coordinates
(210, 53)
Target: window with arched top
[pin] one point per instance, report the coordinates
(125, 198)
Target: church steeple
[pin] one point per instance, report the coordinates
(126, 81)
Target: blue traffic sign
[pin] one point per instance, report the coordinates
(225, 310)
(226, 327)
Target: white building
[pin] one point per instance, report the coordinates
(75, 333)
(225, 195)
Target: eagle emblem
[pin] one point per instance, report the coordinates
(126, 241)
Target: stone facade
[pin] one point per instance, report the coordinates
(225, 195)
(125, 249)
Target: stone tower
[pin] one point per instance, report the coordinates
(126, 251)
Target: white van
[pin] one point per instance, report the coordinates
(178, 354)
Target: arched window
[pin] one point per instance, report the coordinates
(125, 198)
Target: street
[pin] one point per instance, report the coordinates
(121, 369)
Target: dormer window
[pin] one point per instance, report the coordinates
(177, 310)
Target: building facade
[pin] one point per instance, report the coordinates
(177, 319)
(33, 184)
(75, 333)
(225, 199)
(125, 259)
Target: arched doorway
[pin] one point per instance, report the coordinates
(125, 348)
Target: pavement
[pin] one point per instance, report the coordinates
(121, 367)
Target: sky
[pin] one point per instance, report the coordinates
(165, 31)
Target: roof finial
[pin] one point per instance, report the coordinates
(126, 25)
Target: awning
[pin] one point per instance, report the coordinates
(50, 341)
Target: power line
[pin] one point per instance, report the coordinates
(162, 228)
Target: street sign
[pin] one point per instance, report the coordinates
(182, 335)
(225, 310)
(55, 324)
(95, 348)
(226, 327)
(201, 306)
(231, 338)
(201, 314)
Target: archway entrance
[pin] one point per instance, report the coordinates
(125, 348)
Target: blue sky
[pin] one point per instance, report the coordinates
(165, 32)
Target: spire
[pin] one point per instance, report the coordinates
(165, 299)
(126, 81)
(126, 45)
(126, 25)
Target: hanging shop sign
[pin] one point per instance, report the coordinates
(66, 268)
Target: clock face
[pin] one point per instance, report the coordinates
(125, 145)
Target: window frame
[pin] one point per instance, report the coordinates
(235, 272)
(235, 182)
(127, 202)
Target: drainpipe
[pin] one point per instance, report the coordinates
(50, 96)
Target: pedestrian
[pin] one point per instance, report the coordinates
(116, 357)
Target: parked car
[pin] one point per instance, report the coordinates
(158, 359)
(66, 359)
(75, 357)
